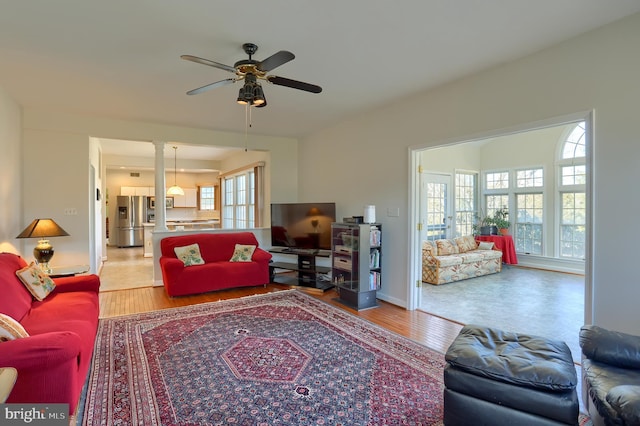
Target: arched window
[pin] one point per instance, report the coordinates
(572, 194)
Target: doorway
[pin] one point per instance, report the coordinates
(455, 156)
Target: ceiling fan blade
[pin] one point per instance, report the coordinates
(208, 62)
(294, 84)
(211, 86)
(275, 60)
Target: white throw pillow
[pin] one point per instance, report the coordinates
(242, 253)
(36, 280)
(190, 255)
(10, 329)
(485, 245)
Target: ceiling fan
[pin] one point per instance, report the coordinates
(251, 71)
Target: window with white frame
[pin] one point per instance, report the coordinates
(529, 222)
(572, 194)
(496, 180)
(207, 197)
(466, 209)
(238, 210)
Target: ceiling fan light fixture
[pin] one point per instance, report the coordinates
(258, 95)
(241, 99)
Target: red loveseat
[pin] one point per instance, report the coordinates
(217, 272)
(53, 361)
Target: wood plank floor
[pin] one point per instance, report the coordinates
(432, 331)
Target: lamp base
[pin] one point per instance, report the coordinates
(43, 252)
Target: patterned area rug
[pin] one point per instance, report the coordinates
(278, 358)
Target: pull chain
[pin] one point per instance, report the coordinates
(247, 124)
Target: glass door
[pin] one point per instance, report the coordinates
(435, 206)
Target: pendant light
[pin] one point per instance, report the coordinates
(175, 189)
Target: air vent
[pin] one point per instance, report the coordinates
(134, 174)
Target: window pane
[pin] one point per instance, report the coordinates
(572, 225)
(531, 178)
(498, 180)
(465, 203)
(574, 147)
(495, 202)
(207, 198)
(529, 222)
(574, 175)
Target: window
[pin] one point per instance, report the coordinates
(207, 197)
(572, 225)
(497, 180)
(495, 202)
(572, 195)
(530, 178)
(529, 221)
(243, 198)
(466, 209)
(239, 201)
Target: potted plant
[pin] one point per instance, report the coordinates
(485, 225)
(499, 219)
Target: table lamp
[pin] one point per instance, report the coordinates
(42, 229)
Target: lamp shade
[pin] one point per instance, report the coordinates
(43, 228)
(314, 211)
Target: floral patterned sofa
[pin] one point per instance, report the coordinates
(449, 260)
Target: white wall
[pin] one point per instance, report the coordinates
(365, 160)
(11, 221)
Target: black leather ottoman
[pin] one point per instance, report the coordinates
(498, 378)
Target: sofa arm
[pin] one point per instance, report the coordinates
(625, 399)
(77, 283)
(610, 347)
(40, 351)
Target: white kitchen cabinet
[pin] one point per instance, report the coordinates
(189, 199)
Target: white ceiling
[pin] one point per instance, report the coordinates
(121, 58)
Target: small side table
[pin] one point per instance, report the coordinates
(68, 271)
(8, 376)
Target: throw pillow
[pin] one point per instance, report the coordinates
(466, 243)
(485, 245)
(190, 255)
(10, 329)
(36, 280)
(242, 253)
(447, 247)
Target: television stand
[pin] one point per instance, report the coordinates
(308, 274)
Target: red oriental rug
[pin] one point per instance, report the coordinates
(277, 358)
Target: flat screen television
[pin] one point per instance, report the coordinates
(302, 225)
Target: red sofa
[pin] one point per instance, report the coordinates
(218, 272)
(54, 360)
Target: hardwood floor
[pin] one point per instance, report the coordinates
(432, 331)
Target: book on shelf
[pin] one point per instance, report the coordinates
(374, 259)
(374, 236)
(374, 280)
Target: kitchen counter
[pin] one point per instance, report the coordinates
(176, 225)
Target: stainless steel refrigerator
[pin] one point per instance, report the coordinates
(131, 213)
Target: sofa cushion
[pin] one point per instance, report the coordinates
(447, 247)
(36, 280)
(16, 299)
(190, 255)
(10, 329)
(444, 261)
(242, 253)
(471, 257)
(611, 347)
(466, 243)
(508, 357)
(489, 254)
(214, 247)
